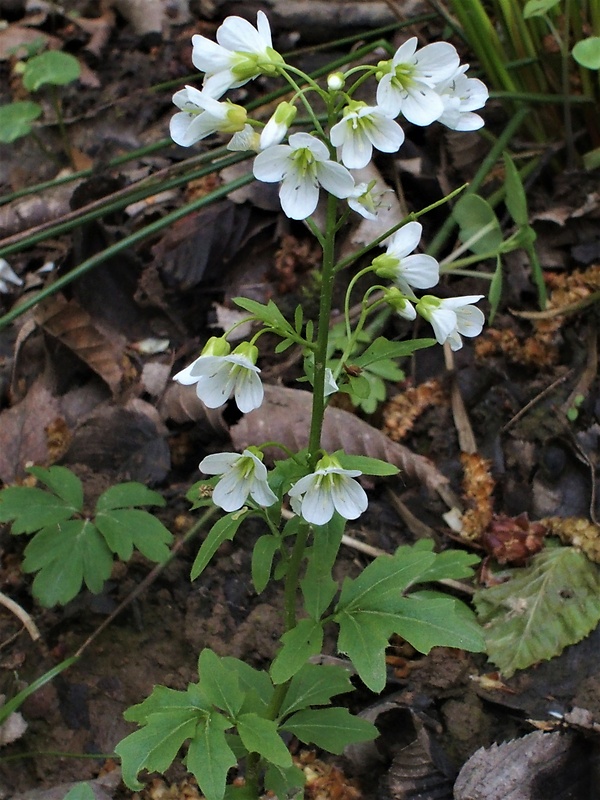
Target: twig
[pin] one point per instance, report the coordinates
(22, 615)
(535, 400)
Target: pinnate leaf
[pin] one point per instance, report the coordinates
(315, 685)
(543, 608)
(330, 728)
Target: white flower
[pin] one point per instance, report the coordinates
(202, 115)
(406, 271)
(461, 96)
(363, 128)
(243, 475)
(218, 377)
(407, 83)
(8, 275)
(302, 166)
(277, 127)
(242, 53)
(452, 317)
(329, 488)
(246, 139)
(403, 307)
(365, 200)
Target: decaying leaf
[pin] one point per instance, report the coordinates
(23, 437)
(513, 540)
(538, 766)
(285, 416)
(67, 322)
(402, 410)
(579, 532)
(182, 404)
(541, 609)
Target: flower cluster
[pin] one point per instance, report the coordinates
(420, 85)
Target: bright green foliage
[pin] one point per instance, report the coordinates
(587, 52)
(478, 224)
(16, 119)
(223, 530)
(318, 586)
(374, 606)
(69, 548)
(543, 608)
(231, 694)
(83, 791)
(273, 320)
(51, 67)
(298, 645)
(537, 8)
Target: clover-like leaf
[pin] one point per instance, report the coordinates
(51, 67)
(478, 223)
(16, 119)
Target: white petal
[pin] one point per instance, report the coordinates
(405, 52)
(316, 146)
(231, 491)
(408, 312)
(317, 506)
(299, 194)
(420, 271)
(219, 82)
(215, 391)
(249, 392)
(388, 97)
(459, 302)
(264, 29)
(207, 56)
(302, 485)
(422, 106)
(470, 320)
(185, 376)
(467, 121)
(437, 61)
(262, 494)
(335, 179)
(178, 128)
(241, 36)
(454, 341)
(218, 463)
(337, 134)
(271, 165)
(405, 240)
(385, 134)
(357, 149)
(443, 322)
(349, 498)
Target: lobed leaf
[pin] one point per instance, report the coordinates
(220, 685)
(126, 528)
(283, 782)
(543, 608)
(209, 756)
(260, 735)
(333, 729)
(127, 495)
(256, 684)
(30, 508)
(62, 482)
(299, 644)
(315, 685)
(363, 637)
(431, 619)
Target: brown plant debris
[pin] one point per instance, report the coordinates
(478, 487)
(292, 261)
(578, 532)
(513, 540)
(401, 411)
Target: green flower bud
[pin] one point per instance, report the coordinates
(250, 351)
(236, 119)
(386, 266)
(335, 81)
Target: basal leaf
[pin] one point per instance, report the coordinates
(299, 644)
(128, 495)
(219, 685)
(428, 621)
(53, 67)
(260, 735)
(65, 555)
(315, 685)
(552, 603)
(64, 483)
(223, 530)
(126, 528)
(330, 728)
(82, 791)
(537, 8)
(16, 119)
(31, 508)
(587, 52)
(164, 699)
(209, 756)
(262, 560)
(318, 587)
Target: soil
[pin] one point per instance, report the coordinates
(117, 418)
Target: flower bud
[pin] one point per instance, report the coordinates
(394, 298)
(335, 81)
(277, 127)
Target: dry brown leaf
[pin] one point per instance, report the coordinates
(182, 404)
(74, 328)
(23, 438)
(285, 417)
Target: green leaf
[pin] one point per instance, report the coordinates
(364, 637)
(209, 756)
(318, 587)
(495, 293)
(32, 508)
(367, 465)
(219, 685)
(386, 577)
(16, 119)
(127, 495)
(66, 555)
(382, 348)
(163, 699)
(479, 226)
(256, 684)
(283, 782)
(126, 528)
(587, 52)
(83, 791)
(269, 314)
(200, 493)
(454, 564)
(330, 728)
(62, 482)
(315, 685)
(262, 560)
(260, 736)
(537, 8)
(552, 603)
(299, 644)
(53, 67)
(516, 202)
(223, 530)
(427, 621)
(298, 319)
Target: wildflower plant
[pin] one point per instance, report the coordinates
(237, 714)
